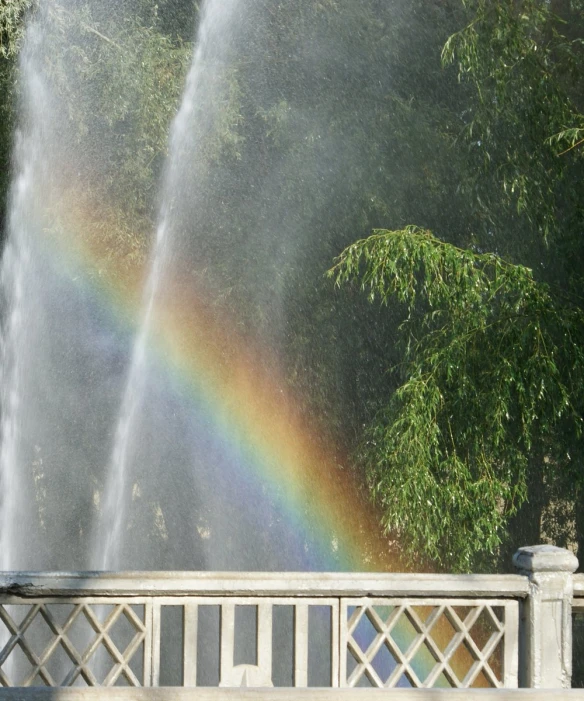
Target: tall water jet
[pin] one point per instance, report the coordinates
(214, 464)
(20, 274)
(195, 121)
(62, 353)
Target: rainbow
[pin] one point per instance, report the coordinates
(233, 382)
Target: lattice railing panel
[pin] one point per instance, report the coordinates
(54, 644)
(218, 641)
(258, 640)
(429, 643)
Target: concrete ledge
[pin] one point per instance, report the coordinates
(207, 694)
(314, 584)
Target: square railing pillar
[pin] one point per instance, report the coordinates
(546, 645)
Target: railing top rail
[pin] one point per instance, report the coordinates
(282, 694)
(579, 585)
(256, 584)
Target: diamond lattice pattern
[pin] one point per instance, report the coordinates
(78, 644)
(425, 645)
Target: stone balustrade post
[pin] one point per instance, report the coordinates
(545, 659)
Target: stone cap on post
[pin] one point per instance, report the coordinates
(546, 631)
(545, 558)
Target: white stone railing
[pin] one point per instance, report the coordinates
(294, 630)
(262, 694)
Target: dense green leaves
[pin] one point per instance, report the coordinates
(12, 14)
(488, 410)
(493, 370)
(132, 77)
(132, 74)
(524, 60)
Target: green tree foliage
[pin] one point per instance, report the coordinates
(12, 13)
(489, 407)
(132, 74)
(493, 371)
(524, 61)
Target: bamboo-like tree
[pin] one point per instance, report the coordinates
(489, 413)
